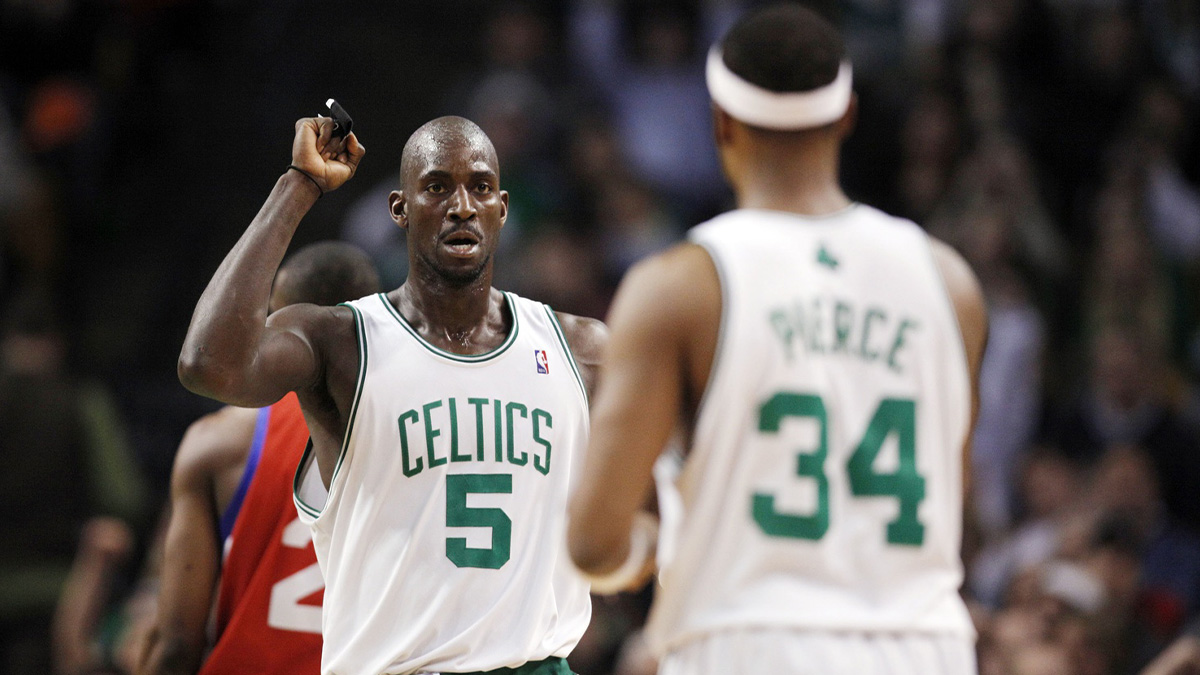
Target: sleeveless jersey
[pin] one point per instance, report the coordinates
(269, 603)
(823, 488)
(442, 534)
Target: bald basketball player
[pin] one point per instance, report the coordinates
(447, 418)
(233, 531)
(824, 357)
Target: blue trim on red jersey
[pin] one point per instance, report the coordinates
(235, 505)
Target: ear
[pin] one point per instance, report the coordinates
(724, 137)
(845, 126)
(398, 207)
(503, 207)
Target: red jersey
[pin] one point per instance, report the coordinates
(269, 606)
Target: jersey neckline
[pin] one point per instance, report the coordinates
(461, 358)
(806, 217)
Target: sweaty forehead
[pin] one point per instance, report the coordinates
(447, 147)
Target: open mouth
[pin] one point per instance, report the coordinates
(462, 242)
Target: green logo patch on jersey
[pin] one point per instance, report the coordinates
(824, 257)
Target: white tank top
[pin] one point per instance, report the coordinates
(823, 487)
(442, 535)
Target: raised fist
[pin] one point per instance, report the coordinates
(328, 160)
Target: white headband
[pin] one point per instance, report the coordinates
(783, 111)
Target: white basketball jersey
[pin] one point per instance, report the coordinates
(823, 487)
(442, 535)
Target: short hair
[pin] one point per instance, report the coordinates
(784, 48)
(326, 273)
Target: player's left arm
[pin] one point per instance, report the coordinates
(105, 544)
(587, 339)
(191, 553)
(662, 306)
(970, 309)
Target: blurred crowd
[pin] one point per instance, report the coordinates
(1053, 142)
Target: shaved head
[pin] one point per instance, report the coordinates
(450, 204)
(435, 136)
(324, 273)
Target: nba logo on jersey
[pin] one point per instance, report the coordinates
(543, 363)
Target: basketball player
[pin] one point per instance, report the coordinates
(232, 488)
(446, 418)
(824, 357)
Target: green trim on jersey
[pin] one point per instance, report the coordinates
(304, 459)
(462, 358)
(562, 339)
(555, 665)
(360, 337)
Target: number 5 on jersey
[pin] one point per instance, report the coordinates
(904, 484)
(458, 514)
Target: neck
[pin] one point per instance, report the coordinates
(796, 174)
(459, 318)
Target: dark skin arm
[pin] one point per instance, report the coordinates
(656, 363)
(234, 353)
(971, 310)
(1181, 657)
(655, 371)
(207, 468)
(587, 339)
(105, 545)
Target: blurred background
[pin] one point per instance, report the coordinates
(1053, 142)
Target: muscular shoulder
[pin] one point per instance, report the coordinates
(676, 291)
(316, 324)
(329, 334)
(967, 295)
(674, 268)
(587, 337)
(213, 445)
(668, 308)
(956, 272)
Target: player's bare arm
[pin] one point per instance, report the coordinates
(587, 339)
(207, 467)
(971, 310)
(104, 546)
(1181, 657)
(654, 370)
(232, 352)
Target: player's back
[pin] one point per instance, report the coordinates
(269, 604)
(823, 487)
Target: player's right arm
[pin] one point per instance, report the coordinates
(191, 552)
(232, 352)
(664, 323)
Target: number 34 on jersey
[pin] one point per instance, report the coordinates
(904, 484)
